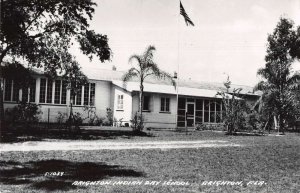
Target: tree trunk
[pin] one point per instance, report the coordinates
(140, 125)
(281, 124)
(1, 108)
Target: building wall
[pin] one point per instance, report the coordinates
(156, 118)
(102, 97)
(125, 113)
(50, 111)
(106, 96)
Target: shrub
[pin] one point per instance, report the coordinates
(137, 123)
(201, 126)
(24, 114)
(109, 117)
(61, 117)
(77, 119)
(92, 117)
(98, 121)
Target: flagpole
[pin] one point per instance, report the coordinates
(177, 79)
(188, 21)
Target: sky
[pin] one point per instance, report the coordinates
(229, 36)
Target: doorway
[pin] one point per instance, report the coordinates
(190, 114)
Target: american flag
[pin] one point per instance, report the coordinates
(187, 19)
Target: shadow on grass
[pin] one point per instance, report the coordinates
(246, 134)
(22, 135)
(34, 173)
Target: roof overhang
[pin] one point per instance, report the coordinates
(168, 89)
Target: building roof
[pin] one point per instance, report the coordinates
(102, 74)
(200, 86)
(168, 89)
(153, 84)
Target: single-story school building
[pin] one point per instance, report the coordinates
(196, 102)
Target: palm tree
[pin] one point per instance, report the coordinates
(145, 67)
(279, 84)
(279, 97)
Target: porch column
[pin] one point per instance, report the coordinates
(37, 90)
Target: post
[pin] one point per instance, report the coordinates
(176, 114)
(48, 118)
(177, 74)
(186, 128)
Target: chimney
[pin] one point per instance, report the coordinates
(175, 75)
(114, 68)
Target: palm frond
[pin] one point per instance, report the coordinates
(260, 86)
(294, 81)
(138, 58)
(161, 74)
(131, 73)
(148, 55)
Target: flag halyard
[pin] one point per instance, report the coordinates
(187, 19)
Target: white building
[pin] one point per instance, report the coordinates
(197, 101)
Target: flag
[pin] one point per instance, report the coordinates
(187, 20)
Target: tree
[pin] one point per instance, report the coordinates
(295, 47)
(233, 108)
(75, 80)
(279, 84)
(40, 34)
(145, 67)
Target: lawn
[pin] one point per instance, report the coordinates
(272, 161)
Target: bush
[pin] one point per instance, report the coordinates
(98, 121)
(109, 121)
(137, 123)
(78, 120)
(61, 117)
(23, 114)
(93, 118)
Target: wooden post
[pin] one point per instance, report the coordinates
(186, 128)
(48, 118)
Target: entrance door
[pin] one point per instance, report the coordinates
(190, 114)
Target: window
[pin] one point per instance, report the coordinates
(57, 92)
(146, 102)
(32, 90)
(87, 93)
(15, 92)
(181, 112)
(212, 111)
(92, 94)
(49, 91)
(28, 94)
(11, 91)
(8, 90)
(25, 93)
(60, 92)
(53, 91)
(120, 101)
(46, 90)
(218, 111)
(206, 110)
(199, 111)
(43, 90)
(64, 93)
(165, 104)
(78, 96)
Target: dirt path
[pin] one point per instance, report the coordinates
(102, 145)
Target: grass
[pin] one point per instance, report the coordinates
(272, 159)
